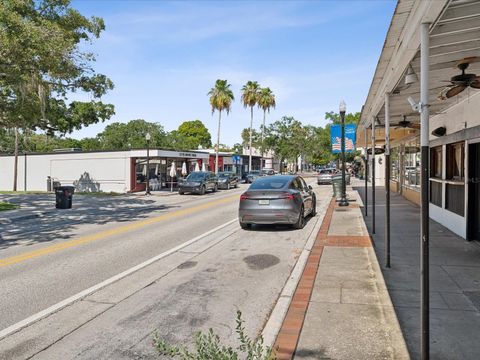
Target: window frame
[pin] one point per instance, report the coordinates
(450, 162)
(436, 160)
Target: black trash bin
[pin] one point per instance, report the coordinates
(63, 197)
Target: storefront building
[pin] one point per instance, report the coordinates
(453, 105)
(105, 171)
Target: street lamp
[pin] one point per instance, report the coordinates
(148, 137)
(343, 109)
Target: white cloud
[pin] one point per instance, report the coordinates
(171, 91)
(197, 21)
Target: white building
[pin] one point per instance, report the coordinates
(118, 171)
(268, 159)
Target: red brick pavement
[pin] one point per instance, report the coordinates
(287, 339)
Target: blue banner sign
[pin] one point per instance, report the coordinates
(336, 138)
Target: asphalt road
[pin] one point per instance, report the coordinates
(198, 287)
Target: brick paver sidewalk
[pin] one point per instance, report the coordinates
(341, 309)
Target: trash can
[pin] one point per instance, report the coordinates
(63, 197)
(337, 185)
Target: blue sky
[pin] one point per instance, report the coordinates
(165, 56)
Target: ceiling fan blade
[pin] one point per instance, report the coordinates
(442, 95)
(455, 91)
(475, 83)
(468, 60)
(415, 126)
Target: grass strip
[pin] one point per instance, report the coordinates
(7, 206)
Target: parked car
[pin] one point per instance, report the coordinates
(267, 172)
(199, 182)
(227, 180)
(252, 176)
(281, 199)
(325, 176)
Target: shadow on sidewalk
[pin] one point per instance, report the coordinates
(454, 279)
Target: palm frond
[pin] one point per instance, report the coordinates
(221, 96)
(266, 99)
(250, 92)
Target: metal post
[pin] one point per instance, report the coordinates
(343, 200)
(366, 171)
(147, 190)
(373, 175)
(424, 142)
(387, 180)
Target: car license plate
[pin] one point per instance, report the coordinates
(263, 202)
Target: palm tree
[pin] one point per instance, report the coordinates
(221, 97)
(266, 101)
(250, 98)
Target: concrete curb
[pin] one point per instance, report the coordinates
(275, 321)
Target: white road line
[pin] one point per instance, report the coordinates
(60, 305)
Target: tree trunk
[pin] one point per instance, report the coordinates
(250, 141)
(218, 142)
(15, 161)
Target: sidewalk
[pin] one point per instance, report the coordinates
(454, 280)
(341, 308)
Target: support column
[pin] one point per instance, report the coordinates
(424, 142)
(387, 180)
(366, 171)
(373, 175)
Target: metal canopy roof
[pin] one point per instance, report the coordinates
(454, 35)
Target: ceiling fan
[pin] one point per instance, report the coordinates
(402, 124)
(462, 81)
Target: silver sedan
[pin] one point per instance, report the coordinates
(281, 199)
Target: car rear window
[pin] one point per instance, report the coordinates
(196, 176)
(269, 183)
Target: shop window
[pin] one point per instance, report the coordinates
(455, 199)
(436, 162)
(394, 163)
(411, 165)
(455, 161)
(436, 193)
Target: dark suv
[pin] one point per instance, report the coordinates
(199, 182)
(227, 180)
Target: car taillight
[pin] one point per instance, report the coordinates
(243, 197)
(288, 196)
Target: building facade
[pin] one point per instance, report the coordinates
(451, 47)
(105, 171)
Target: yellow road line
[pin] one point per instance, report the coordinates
(116, 231)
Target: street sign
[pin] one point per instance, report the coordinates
(336, 138)
(236, 158)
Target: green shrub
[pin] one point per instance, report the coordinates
(209, 347)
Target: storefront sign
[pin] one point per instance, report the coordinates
(187, 155)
